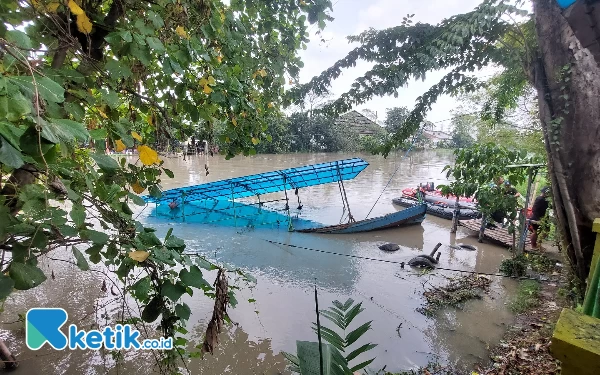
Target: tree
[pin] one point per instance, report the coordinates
(540, 51)
(461, 132)
(129, 74)
(279, 137)
(394, 118)
(318, 133)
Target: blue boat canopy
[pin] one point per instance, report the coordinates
(268, 182)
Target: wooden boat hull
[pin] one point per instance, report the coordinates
(439, 210)
(409, 216)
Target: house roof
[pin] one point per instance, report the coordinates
(436, 134)
(358, 122)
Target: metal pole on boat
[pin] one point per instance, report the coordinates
(233, 207)
(183, 205)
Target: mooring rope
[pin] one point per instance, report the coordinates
(402, 264)
(393, 174)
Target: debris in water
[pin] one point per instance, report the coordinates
(219, 313)
(389, 247)
(459, 290)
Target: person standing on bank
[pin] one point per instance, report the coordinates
(538, 211)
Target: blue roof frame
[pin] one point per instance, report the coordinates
(268, 182)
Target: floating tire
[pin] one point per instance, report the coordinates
(421, 262)
(428, 257)
(439, 211)
(389, 247)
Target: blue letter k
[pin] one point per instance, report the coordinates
(43, 325)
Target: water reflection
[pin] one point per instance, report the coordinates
(287, 274)
(237, 351)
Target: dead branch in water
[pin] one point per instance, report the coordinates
(219, 313)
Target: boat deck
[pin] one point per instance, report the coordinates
(497, 234)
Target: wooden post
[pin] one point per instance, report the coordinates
(523, 215)
(10, 361)
(455, 216)
(482, 228)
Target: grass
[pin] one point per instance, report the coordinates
(518, 265)
(527, 297)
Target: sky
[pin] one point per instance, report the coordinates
(355, 16)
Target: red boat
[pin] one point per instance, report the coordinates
(430, 194)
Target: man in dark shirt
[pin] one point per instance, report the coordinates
(538, 211)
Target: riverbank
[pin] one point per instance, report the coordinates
(525, 347)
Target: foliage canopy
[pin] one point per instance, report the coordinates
(78, 77)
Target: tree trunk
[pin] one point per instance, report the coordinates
(10, 361)
(567, 78)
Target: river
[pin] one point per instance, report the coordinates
(286, 276)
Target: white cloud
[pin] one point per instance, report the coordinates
(355, 16)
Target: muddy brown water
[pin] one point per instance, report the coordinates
(286, 275)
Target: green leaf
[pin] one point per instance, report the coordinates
(141, 288)
(6, 286)
(127, 36)
(183, 311)
(351, 314)
(174, 242)
(98, 134)
(172, 291)
(19, 38)
(142, 54)
(11, 133)
(194, 278)
(69, 130)
(152, 310)
(9, 155)
(169, 173)
(47, 88)
(154, 191)
(331, 337)
(111, 98)
(116, 70)
(361, 365)
(75, 110)
(25, 275)
(78, 215)
(336, 318)
(357, 352)
(203, 263)
(136, 199)
(149, 239)
(96, 237)
(357, 333)
(81, 261)
(14, 107)
(155, 44)
(105, 162)
(309, 360)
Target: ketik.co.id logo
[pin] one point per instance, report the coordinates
(43, 326)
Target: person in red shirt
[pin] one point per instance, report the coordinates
(538, 211)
